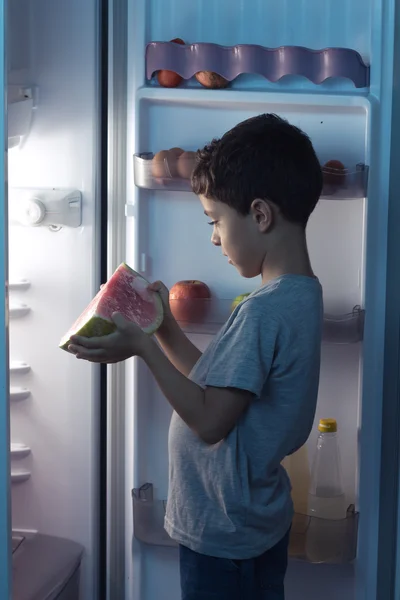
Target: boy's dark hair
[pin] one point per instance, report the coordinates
(263, 157)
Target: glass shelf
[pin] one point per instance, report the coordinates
(208, 316)
(271, 63)
(318, 541)
(154, 172)
(205, 316)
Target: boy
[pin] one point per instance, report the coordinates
(249, 400)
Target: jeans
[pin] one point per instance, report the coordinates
(208, 578)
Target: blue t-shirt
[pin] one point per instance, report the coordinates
(232, 499)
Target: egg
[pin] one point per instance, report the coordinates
(172, 159)
(210, 79)
(170, 79)
(334, 173)
(185, 164)
(159, 165)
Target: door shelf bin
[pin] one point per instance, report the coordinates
(324, 541)
(148, 518)
(344, 329)
(163, 174)
(271, 63)
(208, 316)
(346, 184)
(313, 540)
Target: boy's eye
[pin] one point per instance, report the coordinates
(212, 222)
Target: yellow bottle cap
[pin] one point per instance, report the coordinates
(327, 426)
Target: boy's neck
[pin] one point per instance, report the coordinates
(288, 255)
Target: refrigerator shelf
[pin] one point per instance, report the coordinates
(18, 310)
(19, 475)
(19, 451)
(19, 285)
(271, 63)
(163, 174)
(18, 394)
(18, 367)
(208, 316)
(314, 540)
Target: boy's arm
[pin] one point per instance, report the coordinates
(177, 347)
(239, 369)
(211, 413)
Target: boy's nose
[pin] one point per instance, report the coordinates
(215, 239)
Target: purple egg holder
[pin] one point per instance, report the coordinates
(271, 63)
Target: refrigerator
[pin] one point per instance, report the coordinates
(83, 448)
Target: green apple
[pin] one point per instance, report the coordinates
(238, 300)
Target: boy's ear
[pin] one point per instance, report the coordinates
(263, 214)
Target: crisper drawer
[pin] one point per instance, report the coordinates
(45, 568)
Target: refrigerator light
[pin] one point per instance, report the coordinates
(45, 207)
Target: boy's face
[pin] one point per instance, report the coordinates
(239, 237)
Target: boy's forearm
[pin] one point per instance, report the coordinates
(178, 348)
(186, 397)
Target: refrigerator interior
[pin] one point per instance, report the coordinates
(168, 237)
(53, 274)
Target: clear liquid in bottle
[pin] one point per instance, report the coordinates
(326, 498)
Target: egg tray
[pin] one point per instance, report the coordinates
(338, 185)
(271, 63)
(336, 540)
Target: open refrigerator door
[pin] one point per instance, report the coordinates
(53, 255)
(5, 496)
(309, 63)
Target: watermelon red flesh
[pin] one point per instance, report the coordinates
(126, 293)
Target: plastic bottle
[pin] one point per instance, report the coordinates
(297, 468)
(326, 499)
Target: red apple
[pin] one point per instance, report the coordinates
(189, 300)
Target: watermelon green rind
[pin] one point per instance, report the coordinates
(95, 327)
(90, 324)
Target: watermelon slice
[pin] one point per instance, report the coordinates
(125, 292)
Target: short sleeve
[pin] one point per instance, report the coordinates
(244, 354)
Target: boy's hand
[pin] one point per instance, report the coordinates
(128, 340)
(163, 291)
